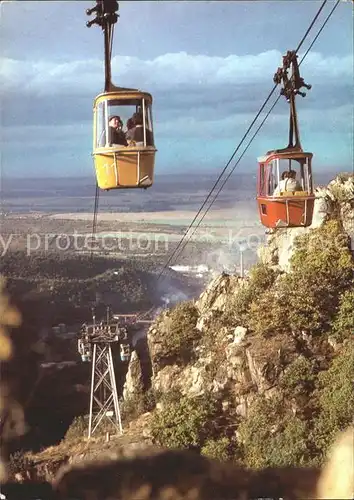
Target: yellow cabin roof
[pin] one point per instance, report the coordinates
(124, 94)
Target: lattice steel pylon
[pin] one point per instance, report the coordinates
(104, 403)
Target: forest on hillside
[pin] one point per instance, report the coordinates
(279, 396)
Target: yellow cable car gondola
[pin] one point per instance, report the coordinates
(123, 158)
(123, 137)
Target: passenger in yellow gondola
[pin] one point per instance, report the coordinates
(137, 133)
(130, 129)
(115, 131)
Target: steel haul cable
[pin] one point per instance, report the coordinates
(95, 210)
(320, 30)
(227, 164)
(254, 135)
(240, 144)
(176, 252)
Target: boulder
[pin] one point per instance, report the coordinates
(167, 378)
(134, 378)
(239, 334)
(205, 320)
(218, 293)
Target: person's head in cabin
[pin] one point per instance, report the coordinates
(130, 128)
(298, 185)
(138, 119)
(115, 132)
(130, 123)
(115, 122)
(285, 175)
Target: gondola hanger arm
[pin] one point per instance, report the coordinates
(106, 17)
(291, 88)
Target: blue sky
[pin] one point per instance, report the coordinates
(209, 66)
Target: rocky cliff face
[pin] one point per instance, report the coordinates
(231, 356)
(259, 345)
(267, 337)
(228, 358)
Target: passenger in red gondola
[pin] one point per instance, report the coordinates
(292, 176)
(283, 184)
(288, 183)
(115, 132)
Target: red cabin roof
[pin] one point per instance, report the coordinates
(270, 155)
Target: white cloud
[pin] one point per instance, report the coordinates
(318, 67)
(183, 128)
(168, 71)
(44, 137)
(200, 102)
(189, 126)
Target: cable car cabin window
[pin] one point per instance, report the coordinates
(100, 126)
(271, 176)
(261, 180)
(293, 176)
(262, 183)
(307, 175)
(128, 121)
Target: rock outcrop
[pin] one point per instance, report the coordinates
(230, 357)
(335, 199)
(238, 361)
(134, 378)
(235, 362)
(218, 293)
(182, 475)
(231, 360)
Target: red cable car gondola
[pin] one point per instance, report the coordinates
(285, 189)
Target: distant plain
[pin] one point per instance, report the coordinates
(65, 206)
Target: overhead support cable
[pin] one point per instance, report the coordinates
(311, 26)
(176, 250)
(320, 30)
(231, 172)
(94, 221)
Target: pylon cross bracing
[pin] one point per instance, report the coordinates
(104, 403)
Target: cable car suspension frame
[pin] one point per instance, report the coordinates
(290, 89)
(106, 18)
